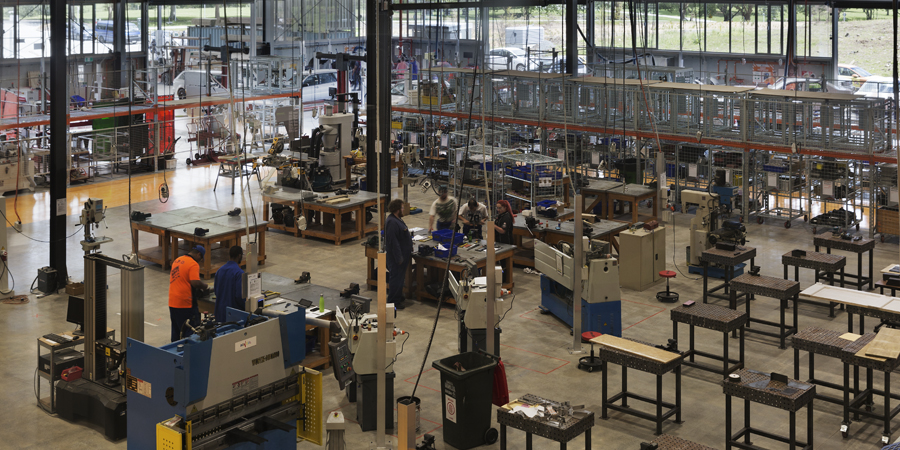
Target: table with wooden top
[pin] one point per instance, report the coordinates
(863, 304)
(226, 231)
(598, 189)
(290, 197)
(633, 354)
(160, 225)
(232, 166)
(855, 355)
(820, 342)
(860, 247)
(341, 221)
(633, 194)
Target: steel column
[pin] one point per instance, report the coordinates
(59, 175)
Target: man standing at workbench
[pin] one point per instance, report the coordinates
(444, 207)
(473, 215)
(398, 252)
(183, 279)
(229, 284)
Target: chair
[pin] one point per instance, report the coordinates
(592, 362)
(667, 296)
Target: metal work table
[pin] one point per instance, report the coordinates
(759, 388)
(628, 360)
(598, 188)
(861, 404)
(859, 247)
(232, 166)
(159, 224)
(726, 258)
(669, 442)
(605, 230)
(326, 220)
(225, 230)
(716, 318)
(819, 341)
(503, 258)
(777, 288)
(861, 303)
(53, 349)
(820, 263)
(290, 197)
(634, 194)
(563, 433)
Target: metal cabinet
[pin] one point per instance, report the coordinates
(642, 257)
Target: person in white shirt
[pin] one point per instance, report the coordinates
(473, 215)
(444, 208)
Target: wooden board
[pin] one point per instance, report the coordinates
(635, 348)
(863, 353)
(850, 336)
(885, 345)
(892, 306)
(846, 296)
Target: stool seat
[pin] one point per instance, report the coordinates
(588, 335)
(667, 274)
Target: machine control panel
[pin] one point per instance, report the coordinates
(341, 361)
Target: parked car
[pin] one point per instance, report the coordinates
(77, 32)
(105, 31)
(879, 87)
(507, 58)
(317, 85)
(194, 82)
(854, 74)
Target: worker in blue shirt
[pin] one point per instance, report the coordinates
(398, 249)
(229, 284)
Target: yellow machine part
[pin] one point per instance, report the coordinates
(310, 428)
(168, 438)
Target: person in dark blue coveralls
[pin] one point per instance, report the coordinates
(398, 249)
(229, 284)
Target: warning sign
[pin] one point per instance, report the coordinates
(450, 406)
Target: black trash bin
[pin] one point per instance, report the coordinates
(466, 395)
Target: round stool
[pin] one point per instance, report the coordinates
(667, 296)
(592, 362)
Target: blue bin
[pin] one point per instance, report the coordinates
(445, 253)
(445, 236)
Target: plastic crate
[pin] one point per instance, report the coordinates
(445, 236)
(445, 253)
(774, 169)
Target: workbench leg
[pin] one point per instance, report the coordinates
(849, 322)
(603, 390)
(691, 334)
(727, 422)
(659, 399)
(747, 421)
(726, 363)
(677, 393)
(796, 364)
(797, 274)
(842, 281)
(809, 426)
(785, 271)
(782, 331)
(562, 446)
(675, 331)
(338, 219)
(742, 347)
(846, 421)
(528, 441)
(887, 403)
(625, 386)
(706, 281)
(870, 388)
(796, 314)
(261, 257)
(793, 431)
(502, 436)
(587, 439)
(871, 275)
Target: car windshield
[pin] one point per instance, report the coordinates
(869, 88)
(886, 88)
(862, 72)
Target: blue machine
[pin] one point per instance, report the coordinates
(601, 305)
(240, 388)
(605, 317)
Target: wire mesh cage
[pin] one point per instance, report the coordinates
(782, 184)
(835, 186)
(530, 178)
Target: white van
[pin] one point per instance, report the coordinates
(196, 82)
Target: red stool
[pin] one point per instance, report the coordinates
(667, 296)
(592, 362)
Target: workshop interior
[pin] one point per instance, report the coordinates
(563, 195)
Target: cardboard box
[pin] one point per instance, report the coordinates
(75, 289)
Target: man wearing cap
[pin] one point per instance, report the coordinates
(229, 284)
(184, 277)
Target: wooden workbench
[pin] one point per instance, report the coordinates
(226, 231)
(160, 224)
(289, 197)
(634, 194)
(436, 266)
(327, 220)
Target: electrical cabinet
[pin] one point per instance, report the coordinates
(642, 257)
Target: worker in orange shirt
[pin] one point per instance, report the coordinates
(183, 279)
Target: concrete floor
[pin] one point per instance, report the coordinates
(534, 346)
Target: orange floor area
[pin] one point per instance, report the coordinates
(34, 207)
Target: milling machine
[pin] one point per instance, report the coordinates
(471, 301)
(601, 302)
(704, 230)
